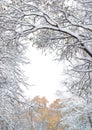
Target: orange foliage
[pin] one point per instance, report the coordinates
(50, 114)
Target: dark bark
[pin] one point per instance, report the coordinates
(86, 50)
(90, 120)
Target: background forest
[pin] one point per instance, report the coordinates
(60, 26)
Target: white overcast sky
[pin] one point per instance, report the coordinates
(44, 74)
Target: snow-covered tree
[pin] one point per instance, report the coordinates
(11, 76)
(62, 26)
(75, 113)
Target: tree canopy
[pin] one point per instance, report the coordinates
(64, 27)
